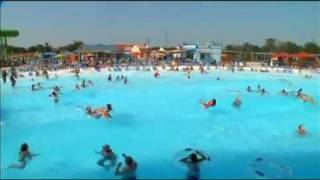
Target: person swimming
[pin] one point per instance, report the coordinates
(83, 84)
(193, 164)
(299, 92)
(259, 88)
(92, 112)
(249, 89)
(4, 76)
(90, 82)
(301, 130)
(55, 96)
(306, 98)
(157, 74)
(122, 77)
(218, 78)
(129, 171)
(33, 87)
(24, 157)
(125, 80)
(56, 88)
(118, 78)
(188, 74)
(263, 91)
(284, 92)
(107, 155)
(237, 103)
(13, 81)
(209, 104)
(77, 87)
(109, 77)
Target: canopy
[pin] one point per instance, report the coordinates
(303, 55)
(162, 50)
(135, 50)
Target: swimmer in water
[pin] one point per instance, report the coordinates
(90, 82)
(129, 171)
(218, 78)
(259, 88)
(263, 91)
(92, 112)
(284, 92)
(57, 89)
(157, 74)
(4, 76)
(24, 157)
(249, 89)
(107, 155)
(299, 92)
(306, 98)
(83, 84)
(77, 87)
(109, 77)
(301, 130)
(118, 78)
(193, 164)
(188, 74)
(209, 104)
(55, 96)
(105, 111)
(237, 103)
(33, 87)
(125, 80)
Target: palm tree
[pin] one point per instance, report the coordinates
(4, 35)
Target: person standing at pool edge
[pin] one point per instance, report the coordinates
(129, 171)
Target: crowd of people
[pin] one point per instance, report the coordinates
(128, 171)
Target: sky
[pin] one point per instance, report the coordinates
(60, 23)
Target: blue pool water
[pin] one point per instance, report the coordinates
(154, 119)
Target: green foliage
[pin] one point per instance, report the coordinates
(14, 49)
(9, 33)
(71, 47)
(311, 48)
(273, 45)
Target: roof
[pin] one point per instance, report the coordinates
(96, 48)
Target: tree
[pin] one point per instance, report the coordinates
(37, 48)
(288, 47)
(311, 47)
(4, 35)
(71, 47)
(269, 45)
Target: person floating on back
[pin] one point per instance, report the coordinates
(209, 104)
(24, 157)
(129, 170)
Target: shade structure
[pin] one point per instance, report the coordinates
(303, 56)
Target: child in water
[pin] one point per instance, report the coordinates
(209, 104)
